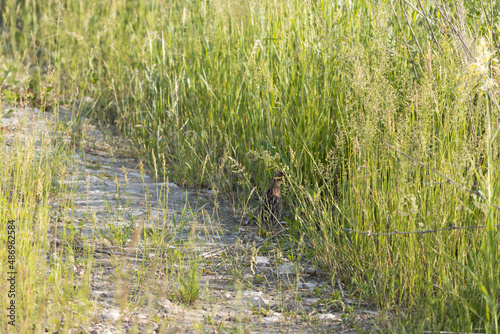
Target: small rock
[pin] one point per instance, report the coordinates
(279, 315)
(97, 294)
(270, 319)
(310, 285)
(259, 302)
(112, 315)
(286, 268)
(168, 306)
(311, 301)
(107, 331)
(261, 260)
(136, 214)
(168, 184)
(330, 316)
(311, 270)
(142, 318)
(252, 293)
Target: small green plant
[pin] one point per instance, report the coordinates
(183, 276)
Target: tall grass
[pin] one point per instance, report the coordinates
(50, 284)
(229, 90)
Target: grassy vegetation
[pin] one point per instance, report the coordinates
(49, 283)
(228, 91)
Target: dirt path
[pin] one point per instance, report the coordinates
(149, 237)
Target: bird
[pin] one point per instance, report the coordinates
(272, 204)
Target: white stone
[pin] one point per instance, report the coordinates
(286, 268)
(330, 316)
(168, 184)
(311, 301)
(168, 306)
(259, 302)
(310, 285)
(112, 315)
(270, 320)
(252, 293)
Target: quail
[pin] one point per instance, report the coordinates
(272, 205)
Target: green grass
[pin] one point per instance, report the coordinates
(51, 283)
(228, 91)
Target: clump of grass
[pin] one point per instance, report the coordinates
(184, 278)
(51, 282)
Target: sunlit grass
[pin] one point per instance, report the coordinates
(52, 283)
(228, 91)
